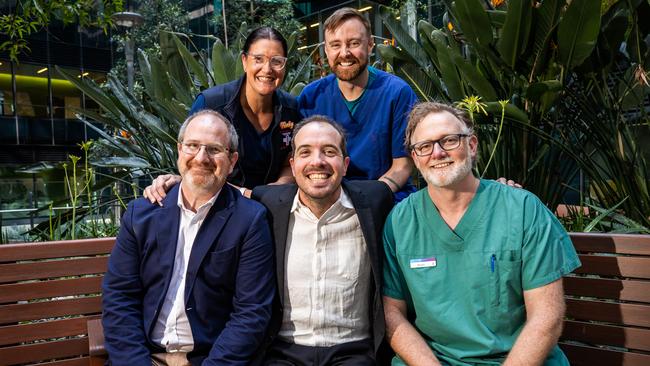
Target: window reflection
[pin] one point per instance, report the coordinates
(66, 98)
(6, 94)
(31, 90)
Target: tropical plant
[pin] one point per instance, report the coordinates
(26, 17)
(139, 138)
(157, 15)
(538, 58)
(255, 13)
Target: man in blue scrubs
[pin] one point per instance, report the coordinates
(478, 265)
(371, 105)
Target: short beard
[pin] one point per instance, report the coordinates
(352, 74)
(205, 182)
(459, 170)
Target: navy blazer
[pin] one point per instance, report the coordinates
(372, 201)
(229, 286)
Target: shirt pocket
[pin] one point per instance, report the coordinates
(505, 294)
(218, 268)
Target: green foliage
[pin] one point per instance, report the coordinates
(88, 216)
(30, 16)
(255, 13)
(567, 94)
(159, 16)
(140, 139)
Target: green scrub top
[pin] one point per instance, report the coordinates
(464, 287)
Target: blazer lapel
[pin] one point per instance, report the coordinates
(209, 233)
(168, 221)
(367, 223)
(281, 213)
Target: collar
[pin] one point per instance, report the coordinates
(343, 199)
(205, 206)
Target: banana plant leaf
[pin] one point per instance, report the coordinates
(535, 91)
(224, 64)
(546, 19)
(515, 32)
(578, 32)
(497, 18)
(171, 61)
(404, 40)
(122, 162)
(474, 22)
(448, 71)
(474, 78)
(192, 66)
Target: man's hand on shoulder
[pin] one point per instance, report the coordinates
(509, 182)
(158, 189)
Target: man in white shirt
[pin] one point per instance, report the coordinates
(328, 254)
(191, 282)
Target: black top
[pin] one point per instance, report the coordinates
(261, 155)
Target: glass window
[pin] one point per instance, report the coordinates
(66, 98)
(6, 91)
(66, 101)
(32, 95)
(7, 120)
(33, 103)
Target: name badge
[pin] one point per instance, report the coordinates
(423, 262)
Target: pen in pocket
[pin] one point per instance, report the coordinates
(493, 260)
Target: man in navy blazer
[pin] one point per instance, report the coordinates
(191, 282)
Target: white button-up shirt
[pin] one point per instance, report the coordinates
(172, 330)
(327, 277)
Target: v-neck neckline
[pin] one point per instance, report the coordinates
(455, 238)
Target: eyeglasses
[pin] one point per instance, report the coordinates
(447, 143)
(277, 63)
(193, 148)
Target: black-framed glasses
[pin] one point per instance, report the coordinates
(193, 148)
(447, 143)
(277, 63)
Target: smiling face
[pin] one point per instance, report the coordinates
(202, 173)
(444, 168)
(262, 78)
(318, 164)
(348, 47)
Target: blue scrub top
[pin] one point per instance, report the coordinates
(376, 127)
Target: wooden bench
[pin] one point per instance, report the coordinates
(608, 302)
(48, 292)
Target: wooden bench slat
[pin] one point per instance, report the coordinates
(13, 334)
(626, 290)
(608, 243)
(579, 355)
(55, 268)
(636, 267)
(53, 288)
(96, 341)
(44, 351)
(616, 313)
(48, 309)
(607, 335)
(55, 249)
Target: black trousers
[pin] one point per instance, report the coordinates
(358, 353)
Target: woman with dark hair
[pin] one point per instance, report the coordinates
(262, 114)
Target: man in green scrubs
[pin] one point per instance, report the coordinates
(473, 268)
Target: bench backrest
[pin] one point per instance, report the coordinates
(48, 291)
(608, 301)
